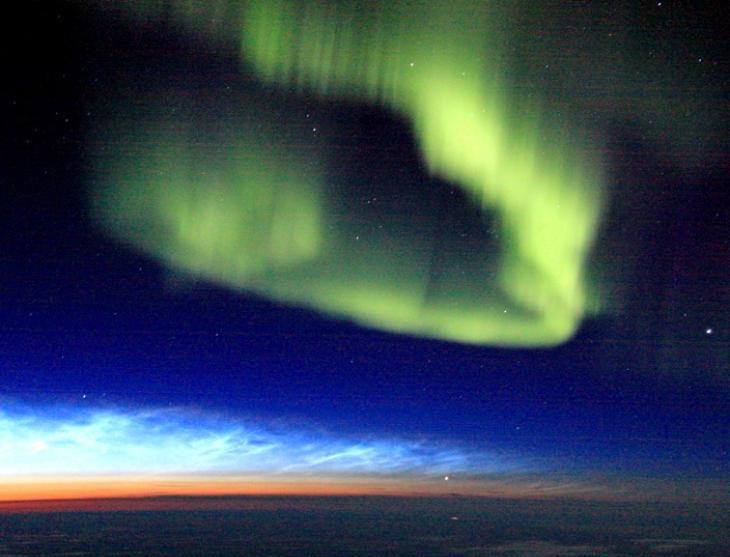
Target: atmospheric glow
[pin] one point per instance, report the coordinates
(258, 218)
(56, 442)
(64, 452)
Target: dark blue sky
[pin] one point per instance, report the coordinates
(86, 321)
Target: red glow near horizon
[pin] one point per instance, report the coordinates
(168, 493)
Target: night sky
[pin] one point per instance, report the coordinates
(120, 360)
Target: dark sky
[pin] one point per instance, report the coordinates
(87, 322)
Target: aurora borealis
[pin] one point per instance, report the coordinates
(273, 247)
(241, 205)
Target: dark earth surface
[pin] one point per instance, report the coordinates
(375, 527)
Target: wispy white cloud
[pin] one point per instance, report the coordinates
(670, 545)
(535, 548)
(45, 440)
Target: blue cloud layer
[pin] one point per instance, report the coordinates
(52, 440)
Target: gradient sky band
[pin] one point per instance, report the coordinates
(52, 451)
(69, 441)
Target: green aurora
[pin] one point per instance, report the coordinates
(231, 198)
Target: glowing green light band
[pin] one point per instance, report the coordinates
(254, 216)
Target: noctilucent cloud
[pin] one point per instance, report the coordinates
(59, 441)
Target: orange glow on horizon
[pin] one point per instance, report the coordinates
(87, 488)
(102, 493)
(117, 493)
